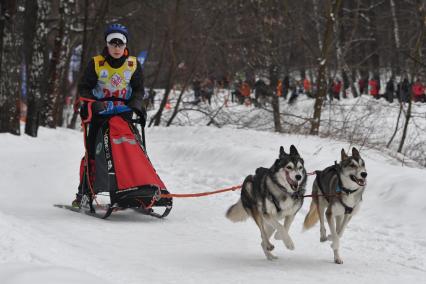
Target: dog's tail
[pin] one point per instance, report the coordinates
(237, 213)
(312, 217)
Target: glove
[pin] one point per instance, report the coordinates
(97, 107)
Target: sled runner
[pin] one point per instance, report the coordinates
(120, 170)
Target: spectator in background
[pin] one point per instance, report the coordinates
(404, 91)
(286, 86)
(418, 91)
(260, 93)
(196, 87)
(330, 87)
(307, 87)
(337, 87)
(207, 89)
(225, 82)
(245, 93)
(279, 88)
(300, 87)
(345, 85)
(374, 88)
(294, 93)
(390, 90)
(362, 84)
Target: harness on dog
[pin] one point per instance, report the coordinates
(269, 195)
(259, 182)
(295, 195)
(348, 210)
(339, 188)
(265, 172)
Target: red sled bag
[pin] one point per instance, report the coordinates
(131, 164)
(123, 168)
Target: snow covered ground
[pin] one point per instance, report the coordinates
(384, 243)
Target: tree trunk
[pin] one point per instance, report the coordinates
(331, 12)
(64, 88)
(172, 67)
(273, 75)
(396, 38)
(57, 65)
(317, 22)
(36, 69)
(10, 69)
(83, 62)
(169, 86)
(373, 34)
(417, 55)
(396, 126)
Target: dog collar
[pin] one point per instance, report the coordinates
(340, 188)
(344, 189)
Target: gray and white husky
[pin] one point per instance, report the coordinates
(337, 192)
(272, 195)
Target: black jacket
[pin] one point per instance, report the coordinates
(89, 80)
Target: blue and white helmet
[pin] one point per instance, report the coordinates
(116, 31)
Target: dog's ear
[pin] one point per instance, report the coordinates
(355, 153)
(293, 151)
(344, 155)
(282, 152)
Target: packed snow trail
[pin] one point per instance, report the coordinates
(384, 243)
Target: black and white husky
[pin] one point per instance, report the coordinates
(272, 195)
(337, 192)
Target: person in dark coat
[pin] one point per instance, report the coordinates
(113, 74)
(363, 87)
(404, 91)
(196, 87)
(390, 90)
(286, 86)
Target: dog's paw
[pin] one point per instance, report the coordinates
(289, 244)
(267, 247)
(271, 257)
(323, 239)
(338, 260)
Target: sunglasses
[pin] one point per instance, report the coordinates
(119, 45)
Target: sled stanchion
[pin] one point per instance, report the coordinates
(143, 137)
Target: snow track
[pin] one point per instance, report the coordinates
(384, 243)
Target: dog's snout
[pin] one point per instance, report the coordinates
(298, 177)
(364, 174)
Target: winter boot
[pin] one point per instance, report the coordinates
(77, 201)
